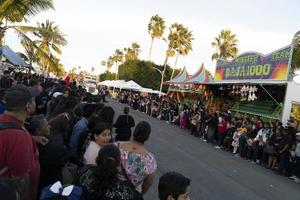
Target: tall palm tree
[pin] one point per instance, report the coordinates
(169, 53)
(225, 45)
(50, 40)
(117, 58)
(132, 53)
(12, 12)
(108, 63)
(156, 28)
(181, 39)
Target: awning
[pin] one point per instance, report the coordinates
(183, 75)
(12, 57)
(201, 76)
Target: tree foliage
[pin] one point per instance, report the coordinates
(156, 29)
(107, 75)
(132, 53)
(144, 73)
(225, 45)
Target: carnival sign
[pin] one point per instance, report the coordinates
(249, 66)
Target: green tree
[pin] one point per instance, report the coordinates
(132, 53)
(181, 41)
(295, 65)
(156, 28)
(50, 40)
(117, 58)
(30, 51)
(107, 75)
(140, 71)
(16, 11)
(225, 45)
(108, 63)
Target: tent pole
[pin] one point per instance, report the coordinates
(269, 94)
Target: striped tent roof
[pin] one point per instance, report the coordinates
(182, 76)
(201, 76)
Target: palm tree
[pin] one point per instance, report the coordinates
(57, 68)
(132, 53)
(169, 53)
(156, 28)
(12, 12)
(225, 45)
(181, 39)
(108, 63)
(30, 51)
(295, 65)
(50, 40)
(116, 58)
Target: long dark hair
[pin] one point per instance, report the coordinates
(108, 160)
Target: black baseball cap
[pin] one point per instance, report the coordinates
(18, 96)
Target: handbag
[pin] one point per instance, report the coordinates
(69, 173)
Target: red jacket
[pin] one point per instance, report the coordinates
(222, 127)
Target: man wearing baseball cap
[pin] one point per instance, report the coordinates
(19, 154)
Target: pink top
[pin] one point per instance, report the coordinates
(137, 167)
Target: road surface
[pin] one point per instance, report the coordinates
(215, 174)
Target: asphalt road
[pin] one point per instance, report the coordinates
(215, 174)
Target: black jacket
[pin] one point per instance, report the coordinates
(124, 124)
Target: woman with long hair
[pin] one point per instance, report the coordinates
(100, 135)
(123, 126)
(102, 181)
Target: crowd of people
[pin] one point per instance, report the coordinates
(57, 142)
(270, 144)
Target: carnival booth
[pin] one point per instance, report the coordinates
(258, 84)
(189, 88)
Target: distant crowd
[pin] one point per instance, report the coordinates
(269, 144)
(57, 142)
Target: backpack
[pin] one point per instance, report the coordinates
(10, 125)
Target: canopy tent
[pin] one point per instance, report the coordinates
(12, 57)
(131, 85)
(201, 76)
(113, 83)
(151, 91)
(183, 75)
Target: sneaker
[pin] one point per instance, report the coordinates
(252, 162)
(237, 155)
(258, 162)
(217, 147)
(204, 140)
(293, 177)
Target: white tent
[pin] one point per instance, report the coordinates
(131, 85)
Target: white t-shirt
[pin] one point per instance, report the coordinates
(91, 153)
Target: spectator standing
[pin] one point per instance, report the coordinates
(123, 126)
(103, 182)
(138, 164)
(18, 150)
(100, 135)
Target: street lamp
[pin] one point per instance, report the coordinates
(162, 75)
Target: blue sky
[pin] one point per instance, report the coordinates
(95, 28)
